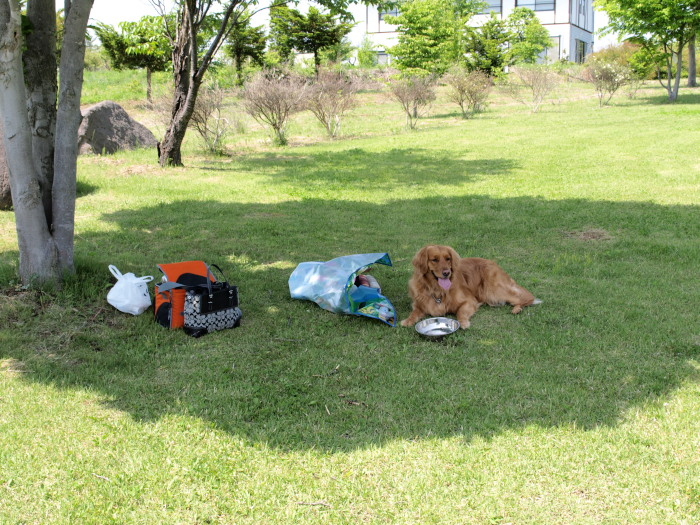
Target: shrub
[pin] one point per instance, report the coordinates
(271, 97)
(329, 97)
(607, 76)
(468, 89)
(208, 119)
(415, 94)
(531, 84)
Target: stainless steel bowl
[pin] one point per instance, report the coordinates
(437, 327)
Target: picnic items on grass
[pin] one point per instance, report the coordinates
(130, 294)
(332, 285)
(190, 297)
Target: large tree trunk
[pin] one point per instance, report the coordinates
(44, 230)
(184, 76)
(38, 256)
(189, 69)
(692, 69)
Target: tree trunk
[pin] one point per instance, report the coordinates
(677, 79)
(692, 69)
(40, 57)
(149, 95)
(38, 257)
(188, 71)
(184, 67)
(68, 120)
(44, 233)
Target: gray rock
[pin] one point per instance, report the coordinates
(107, 128)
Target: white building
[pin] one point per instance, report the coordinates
(569, 22)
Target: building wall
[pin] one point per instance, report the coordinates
(570, 24)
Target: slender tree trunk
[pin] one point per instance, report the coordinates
(692, 69)
(149, 95)
(68, 120)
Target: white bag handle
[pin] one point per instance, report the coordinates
(115, 271)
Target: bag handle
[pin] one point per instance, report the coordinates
(119, 275)
(210, 266)
(115, 271)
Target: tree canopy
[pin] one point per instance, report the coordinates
(140, 44)
(308, 33)
(659, 26)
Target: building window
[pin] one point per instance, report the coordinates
(581, 48)
(552, 53)
(383, 58)
(492, 6)
(582, 11)
(536, 5)
(391, 12)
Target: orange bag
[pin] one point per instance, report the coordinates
(170, 303)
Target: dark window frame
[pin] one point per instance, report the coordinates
(537, 5)
(392, 12)
(493, 6)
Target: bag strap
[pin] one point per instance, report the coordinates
(210, 266)
(115, 271)
(169, 285)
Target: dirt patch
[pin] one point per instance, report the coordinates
(589, 235)
(12, 367)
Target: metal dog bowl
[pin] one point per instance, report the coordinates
(437, 327)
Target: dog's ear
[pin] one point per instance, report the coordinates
(420, 260)
(455, 256)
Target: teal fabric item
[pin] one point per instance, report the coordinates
(331, 285)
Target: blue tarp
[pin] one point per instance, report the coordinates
(331, 285)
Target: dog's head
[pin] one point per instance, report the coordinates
(436, 262)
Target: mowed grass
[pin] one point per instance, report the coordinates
(580, 410)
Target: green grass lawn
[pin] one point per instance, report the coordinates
(581, 410)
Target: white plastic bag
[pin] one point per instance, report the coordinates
(130, 294)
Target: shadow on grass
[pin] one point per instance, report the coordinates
(616, 330)
(382, 170)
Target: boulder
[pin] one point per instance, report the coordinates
(106, 128)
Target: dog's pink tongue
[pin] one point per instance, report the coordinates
(445, 283)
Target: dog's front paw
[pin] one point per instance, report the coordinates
(464, 325)
(407, 322)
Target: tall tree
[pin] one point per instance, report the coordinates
(487, 45)
(279, 48)
(141, 44)
(246, 42)
(665, 25)
(40, 130)
(429, 35)
(528, 37)
(191, 62)
(315, 31)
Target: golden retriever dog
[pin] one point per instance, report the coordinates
(444, 283)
